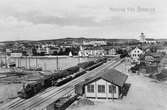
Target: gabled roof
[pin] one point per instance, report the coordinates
(136, 49)
(112, 76)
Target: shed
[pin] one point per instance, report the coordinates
(107, 84)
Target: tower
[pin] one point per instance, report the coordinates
(142, 37)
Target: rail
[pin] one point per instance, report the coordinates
(43, 99)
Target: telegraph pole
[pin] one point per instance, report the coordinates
(36, 62)
(26, 61)
(18, 61)
(29, 62)
(6, 59)
(57, 62)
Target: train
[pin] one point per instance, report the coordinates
(59, 78)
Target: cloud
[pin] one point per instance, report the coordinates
(43, 19)
(40, 18)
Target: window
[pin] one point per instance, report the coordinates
(90, 88)
(101, 88)
(112, 89)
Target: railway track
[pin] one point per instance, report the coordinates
(70, 89)
(19, 100)
(36, 102)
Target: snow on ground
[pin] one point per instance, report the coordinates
(144, 94)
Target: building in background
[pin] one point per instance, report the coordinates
(95, 43)
(92, 51)
(135, 54)
(162, 49)
(143, 39)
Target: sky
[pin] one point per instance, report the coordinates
(52, 19)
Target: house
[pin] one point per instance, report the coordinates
(151, 68)
(150, 41)
(149, 59)
(163, 63)
(112, 52)
(95, 51)
(109, 50)
(54, 50)
(162, 49)
(106, 85)
(135, 54)
(95, 43)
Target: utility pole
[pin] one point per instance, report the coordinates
(29, 62)
(18, 61)
(36, 62)
(26, 62)
(5, 59)
(1, 61)
(57, 62)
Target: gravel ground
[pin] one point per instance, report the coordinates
(144, 94)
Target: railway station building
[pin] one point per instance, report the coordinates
(106, 85)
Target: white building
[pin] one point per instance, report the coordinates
(95, 43)
(106, 85)
(112, 51)
(143, 39)
(92, 52)
(135, 54)
(150, 41)
(162, 49)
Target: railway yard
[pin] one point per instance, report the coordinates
(45, 100)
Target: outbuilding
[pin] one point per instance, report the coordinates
(106, 85)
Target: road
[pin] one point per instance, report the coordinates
(50, 95)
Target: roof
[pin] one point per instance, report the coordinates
(113, 76)
(136, 49)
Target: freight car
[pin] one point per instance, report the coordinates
(92, 65)
(62, 81)
(84, 65)
(104, 59)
